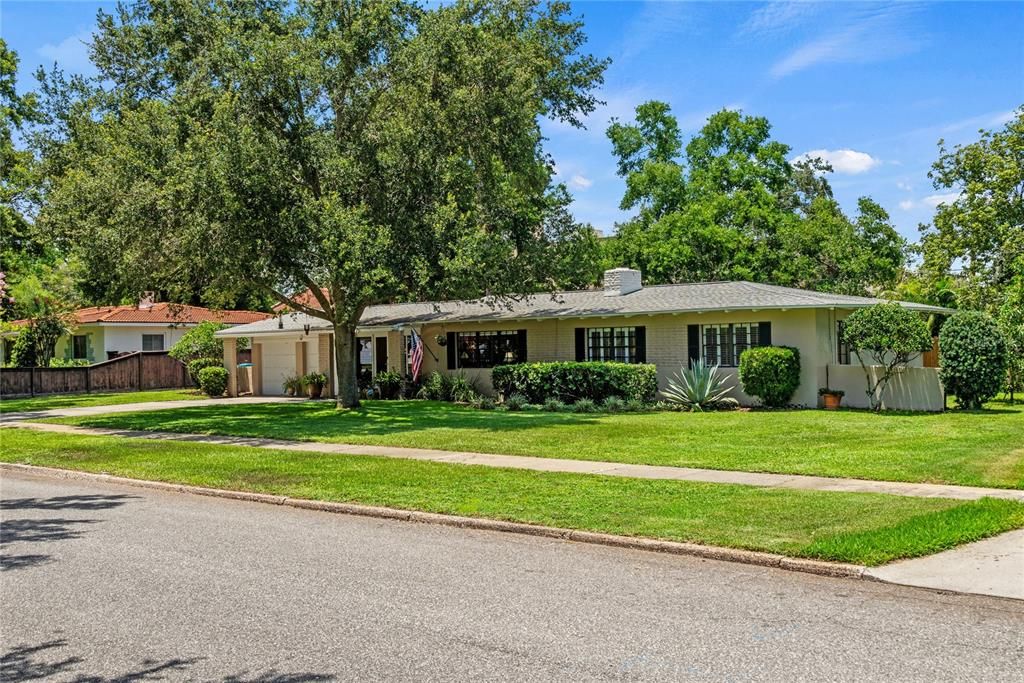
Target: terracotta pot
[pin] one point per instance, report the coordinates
(314, 390)
(831, 401)
(290, 391)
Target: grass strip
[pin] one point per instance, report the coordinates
(859, 528)
(984, 448)
(18, 405)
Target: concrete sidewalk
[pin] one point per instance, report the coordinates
(994, 566)
(613, 469)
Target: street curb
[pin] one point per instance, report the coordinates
(751, 557)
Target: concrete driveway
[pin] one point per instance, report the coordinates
(109, 583)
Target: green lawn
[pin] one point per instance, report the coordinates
(16, 405)
(983, 448)
(850, 527)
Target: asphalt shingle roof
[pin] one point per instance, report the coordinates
(680, 298)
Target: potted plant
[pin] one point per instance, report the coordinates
(831, 398)
(292, 386)
(315, 382)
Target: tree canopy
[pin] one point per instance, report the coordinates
(978, 232)
(363, 151)
(730, 205)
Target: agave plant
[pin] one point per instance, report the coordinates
(699, 388)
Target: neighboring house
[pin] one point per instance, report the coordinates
(667, 325)
(105, 332)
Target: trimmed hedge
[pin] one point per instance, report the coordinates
(772, 373)
(197, 365)
(972, 358)
(213, 381)
(572, 381)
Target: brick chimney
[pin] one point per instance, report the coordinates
(619, 281)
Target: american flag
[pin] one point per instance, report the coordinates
(415, 354)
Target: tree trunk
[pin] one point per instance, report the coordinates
(345, 362)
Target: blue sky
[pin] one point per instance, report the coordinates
(870, 86)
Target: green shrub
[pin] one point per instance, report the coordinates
(634, 405)
(553, 405)
(584, 405)
(316, 379)
(483, 402)
(614, 404)
(772, 373)
(389, 384)
(571, 381)
(197, 365)
(463, 389)
(699, 388)
(213, 381)
(69, 363)
(199, 342)
(516, 402)
(437, 386)
(972, 354)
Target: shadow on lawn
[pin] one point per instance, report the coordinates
(313, 420)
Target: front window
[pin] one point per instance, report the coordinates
(842, 348)
(152, 342)
(612, 344)
(488, 349)
(724, 344)
(79, 347)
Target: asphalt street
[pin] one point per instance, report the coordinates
(105, 583)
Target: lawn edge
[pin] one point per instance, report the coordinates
(709, 552)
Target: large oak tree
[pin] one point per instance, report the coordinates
(366, 151)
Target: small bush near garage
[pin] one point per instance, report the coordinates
(972, 358)
(571, 381)
(213, 381)
(771, 373)
(199, 364)
(199, 342)
(389, 384)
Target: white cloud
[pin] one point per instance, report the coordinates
(71, 54)
(907, 204)
(865, 34)
(656, 23)
(778, 17)
(580, 182)
(906, 187)
(943, 198)
(845, 161)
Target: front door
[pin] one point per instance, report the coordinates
(382, 354)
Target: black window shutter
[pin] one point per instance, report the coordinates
(641, 344)
(693, 343)
(522, 346)
(764, 334)
(581, 344)
(452, 352)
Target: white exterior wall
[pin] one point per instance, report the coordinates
(128, 338)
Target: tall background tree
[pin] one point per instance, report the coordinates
(978, 234)
(729, 205)
(364, 151)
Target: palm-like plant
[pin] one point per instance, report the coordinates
(699, 388)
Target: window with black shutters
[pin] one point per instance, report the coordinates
(490, 348)
(79, 347)
(724, 344)
(612, 344)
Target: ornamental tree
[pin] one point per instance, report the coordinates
(199, 342)
(365, 151)
(972, 358)
(888, 337)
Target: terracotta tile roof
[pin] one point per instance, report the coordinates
(161, 313)
(305, 298)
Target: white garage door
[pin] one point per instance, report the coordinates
(278, 364)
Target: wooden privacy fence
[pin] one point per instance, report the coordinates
(134, 371)
(930, 359)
